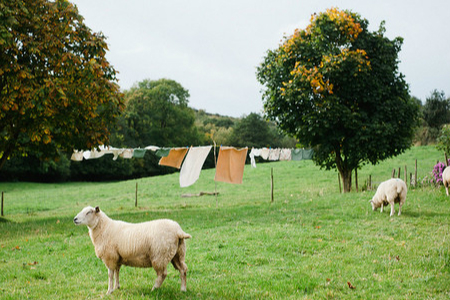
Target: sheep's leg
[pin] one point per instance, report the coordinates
(400, 209)
(116, 274)
(161, 275)
(446, 190)
(110, 281)
(392, 208)
(381, 210)
(182, 267)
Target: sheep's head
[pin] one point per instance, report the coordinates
(374, 204)
(88, 216)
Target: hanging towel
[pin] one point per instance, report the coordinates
(230, 165)
(162, 152)
(274, 154)
(308, 153)
(175, 158)
(285, 154)
(77, 155)
(253, 153)
(297, 154)
(192, 166)
(265, 153)
(127, 153)
(139, 153)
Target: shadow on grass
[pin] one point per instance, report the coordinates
(4, 220)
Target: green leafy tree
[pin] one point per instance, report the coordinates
(444, 139)
(57, 90)
(336, 86)
(157, 113)
(254, 131)
(436, 110)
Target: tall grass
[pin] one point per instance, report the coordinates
(310, 243)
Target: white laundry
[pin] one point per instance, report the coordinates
(192, 165)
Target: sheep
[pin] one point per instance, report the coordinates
(446, 179)
(390, 192)
(149, 244)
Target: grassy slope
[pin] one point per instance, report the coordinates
(306, 245)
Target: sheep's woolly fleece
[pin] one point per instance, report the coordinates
(149, 244)
(390, 192)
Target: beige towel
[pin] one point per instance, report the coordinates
(192, 166)
(175, 158)
(230, 165)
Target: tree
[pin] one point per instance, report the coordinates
(336, 86)
(157, 113)
(436, 110)
(254, 131)
(57, 90)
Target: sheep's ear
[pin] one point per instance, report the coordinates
(97, 209)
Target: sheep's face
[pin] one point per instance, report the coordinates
(374, 205)
(88, 216)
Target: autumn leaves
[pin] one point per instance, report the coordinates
(327, 48)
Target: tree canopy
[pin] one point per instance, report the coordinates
(57, 90)
(336, 86)
(157, 113)
(436, 110)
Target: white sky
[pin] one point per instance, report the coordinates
(212, 48)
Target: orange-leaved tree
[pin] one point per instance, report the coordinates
(57, 90)
(335, 86)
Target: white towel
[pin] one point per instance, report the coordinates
(192, 165)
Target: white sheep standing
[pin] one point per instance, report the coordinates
(149, 244)
(390, 192)
(446, 179)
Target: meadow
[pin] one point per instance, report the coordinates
(311, 242)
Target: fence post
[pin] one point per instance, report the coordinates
(406, 176)
(393, 173)
(356, 179)
(2, 202)
(135, 201)
(415, 175)
(271, 184)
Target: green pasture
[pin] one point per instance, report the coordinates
(312, 242)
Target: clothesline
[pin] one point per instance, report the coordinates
(230, 162)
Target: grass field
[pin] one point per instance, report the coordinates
(310, 243)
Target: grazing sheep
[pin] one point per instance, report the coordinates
(149, 244)
(446, 179)
(390, 192)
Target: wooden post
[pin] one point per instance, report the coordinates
(136, 198)
(415, 175)
(446, 160)
(339, 180)
(399, 172)
(271, 184)
(356, 179)
(406, 176)
(2, 203)
(370, 183)
(410, 179)
(393, 173)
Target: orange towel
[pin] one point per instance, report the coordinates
(230, 165)
(175, 158)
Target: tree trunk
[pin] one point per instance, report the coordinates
(346, 176)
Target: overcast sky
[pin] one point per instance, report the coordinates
(212, 48)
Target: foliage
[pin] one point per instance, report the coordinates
(57, 90)
(436, 111)
(157, 113)
(307, 244)
(254, 131)
(336, 86)
(444, 139)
